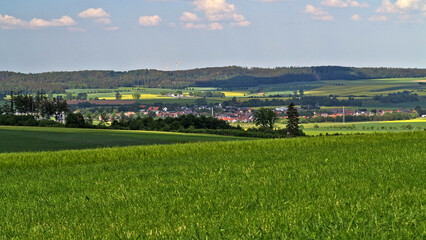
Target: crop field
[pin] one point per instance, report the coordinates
(364, 127)
(314, 129)
(368, 87)
(20, 139)
(338, 187)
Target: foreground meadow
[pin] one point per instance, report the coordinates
(31, 139)
(356, 186)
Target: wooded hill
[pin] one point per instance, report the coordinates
(221, 77)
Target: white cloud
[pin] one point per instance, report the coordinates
(318, 13)
(240, 24)
(411, 4)
(356, 18)
(388, 7)
(10, 22)
(98, 15)
(149, 21)
(343, 4)
(215, 26)
(218, 10)
(189, 17)
(215, 11)
(402, 6)
(63, 21)
(212, 26)
(377, 18)
(93, 13)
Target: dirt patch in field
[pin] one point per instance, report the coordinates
(421, 80)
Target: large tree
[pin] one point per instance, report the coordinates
(293, 121)
(265, 117)
(117, 95)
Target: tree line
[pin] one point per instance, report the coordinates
(38, 105)
(223, 77)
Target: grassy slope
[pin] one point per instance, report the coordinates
(19, 139)
(418, 124)
(329, 187)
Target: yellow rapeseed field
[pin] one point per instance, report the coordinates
(234, 94)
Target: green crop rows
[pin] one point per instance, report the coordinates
(23, 139)
(357, 186)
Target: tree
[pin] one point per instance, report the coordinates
(293, 121)
(136, 96)
(117, 95)
(82, 96)
(75, 120)
(265, 117)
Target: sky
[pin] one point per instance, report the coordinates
(68, 35)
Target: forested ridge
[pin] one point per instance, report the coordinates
(232, 76)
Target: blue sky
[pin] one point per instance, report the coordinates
(66, 35)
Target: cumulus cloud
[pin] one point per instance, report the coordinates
(219, 10)
(212, 26)
(402, 6)
(343, 4)
(215, 26)
(93, 13)
(318, 13)
(189, 17)
(356, 18)
(98, 15)
(149, 21)
(10, 22)
(240, 24)
(215, 12)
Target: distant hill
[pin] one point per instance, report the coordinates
(227, 77)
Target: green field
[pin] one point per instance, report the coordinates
(314, 129)
(18, 139)
(364, 127)
(343, 187)
(357, 88)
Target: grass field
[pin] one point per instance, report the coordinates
(365, 127)
(344, 187)
(19, 139)
(313, 129)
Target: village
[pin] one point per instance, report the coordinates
(245, 114)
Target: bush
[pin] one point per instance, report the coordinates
(49, 123)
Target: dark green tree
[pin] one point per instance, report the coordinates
(265, 117)
(136, 96)
(293, 121)
(117, 95)
(75, 120)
